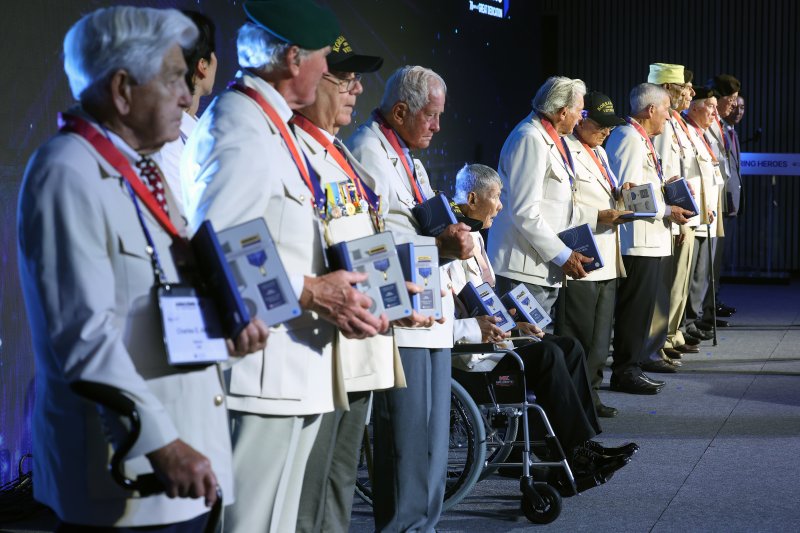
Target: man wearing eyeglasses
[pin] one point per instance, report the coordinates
(586, 307)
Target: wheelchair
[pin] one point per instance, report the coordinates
(485, 417)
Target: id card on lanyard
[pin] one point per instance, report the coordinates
(191, 327)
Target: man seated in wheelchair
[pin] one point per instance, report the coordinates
(555, 367)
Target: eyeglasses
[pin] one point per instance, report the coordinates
(345, 85)
(585, 116)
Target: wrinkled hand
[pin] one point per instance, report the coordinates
(489, 331)
(710, 215)
(416, 320)
(455, 242)
(185, 472)
(574, 265)
(253, 338)
(335, 299)
(526, 328)
(679, 215)
(612, 217)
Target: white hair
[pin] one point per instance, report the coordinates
(474, 178)
(134, 39)
(412, 85)
(558, 92)
(261, 51)
(646, 94)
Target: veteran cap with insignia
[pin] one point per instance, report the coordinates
(599, 108)
(701, 93)
(299, 22)
(665, 73)
(343, 59)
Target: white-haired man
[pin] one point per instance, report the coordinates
(97, 226)
(642, 308)
(411, 424)
(538, 172)
(244, 162)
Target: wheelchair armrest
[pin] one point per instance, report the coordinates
(483, 347)
(111, 398)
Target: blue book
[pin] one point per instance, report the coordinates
(640, 199)
(677, 193)
(580, 239)
(482, 301)
(218, 279)
(434, 215)
(420, 265)
(377, 256)
(528, 309)
(259, 272)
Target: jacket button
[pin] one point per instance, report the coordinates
(218, 399)
(302, 198)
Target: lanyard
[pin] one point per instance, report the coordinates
(114, 157)
(638, 127)
(561, 146)
(702, 138)
(364, 191)
(317, 197)
(391, 136)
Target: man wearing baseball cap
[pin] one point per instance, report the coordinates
(243, 162)
(586, 306)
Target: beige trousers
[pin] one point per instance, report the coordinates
(679, 292)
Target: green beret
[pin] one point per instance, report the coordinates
(299, 22)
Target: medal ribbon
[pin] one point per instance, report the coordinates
(561, 145)
(638, 127)
(391, 136)
(601, 166)
(109, 152)
(702, 138)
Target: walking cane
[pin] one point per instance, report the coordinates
(713, 288)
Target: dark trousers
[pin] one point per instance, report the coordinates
(555, 370)
(412, 433)
(195, 525)
(641, 313)
(330, 478)
(710, 300)
(585, 311)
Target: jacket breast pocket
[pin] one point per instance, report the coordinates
(557, 188)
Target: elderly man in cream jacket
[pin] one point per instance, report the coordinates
(586, 306)
(538, 172)
(643, 296)
(244, 162)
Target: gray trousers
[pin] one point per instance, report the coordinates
(586, 311)
(709, 300)
(327, 497)
(546, 296)
(411, 443)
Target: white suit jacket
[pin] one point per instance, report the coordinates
(235, 168)
(712, 183)
(387, 175)
(537, 195)
(631, 161)
(88, 288)
(593, 190)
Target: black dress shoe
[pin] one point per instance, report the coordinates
(585, 461)
(726, 308)
(633, 384)
(626, 449)
(685, 348)
(721, 311)
(690, 340)
(703, 326)
(672, 362)
(672, 353)
(652, 381)
(720, 323)
(604, 411)
(659, 367)
(695, 331)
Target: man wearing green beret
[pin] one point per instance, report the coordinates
(243, 162)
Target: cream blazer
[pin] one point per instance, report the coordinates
(235, 167)
(387, 175)
(593, 190)
(631, 161)
(537, 195)
(88, 288)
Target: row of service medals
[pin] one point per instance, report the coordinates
(343, 200)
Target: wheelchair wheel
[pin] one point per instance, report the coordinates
(465, 459)
(545, 512)
(501, 432)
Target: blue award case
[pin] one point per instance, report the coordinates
(580, 239)
(420, 265)
(434, 215)
(377, 256)
(217, 277)
(528, 309)
(641, 200)
(258, 272)
(677, 193)
(482, 300)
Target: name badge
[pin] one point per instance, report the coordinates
(192, 329)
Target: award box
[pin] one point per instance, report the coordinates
(641, 200)
(434, 215)
(420, 265)
(677, 193)
(482, 300)
(580, 239)
(528, 309)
